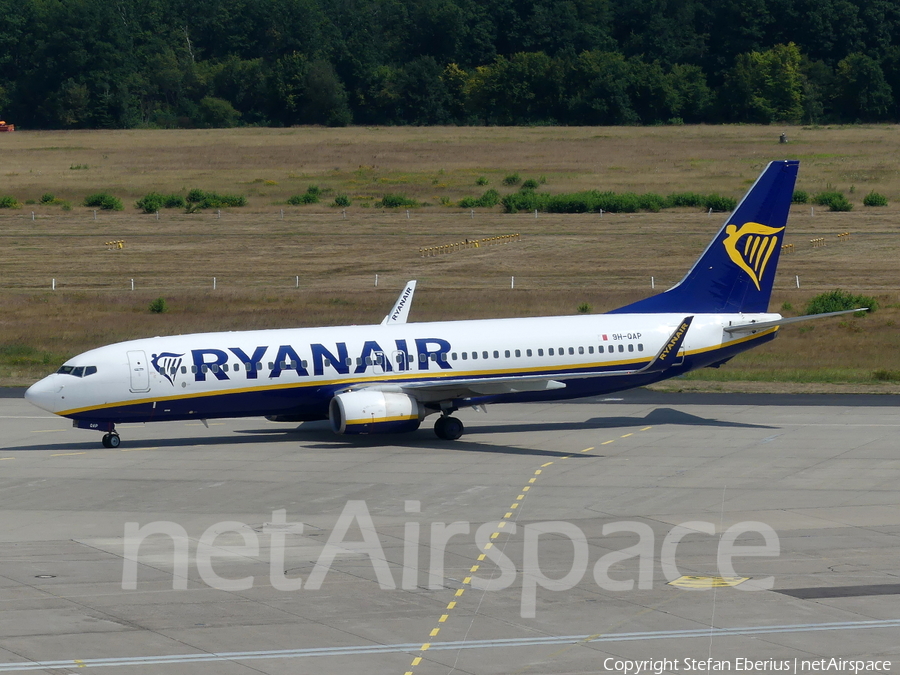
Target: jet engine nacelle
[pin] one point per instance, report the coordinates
(374, 412)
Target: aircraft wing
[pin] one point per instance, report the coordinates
(759, 325)
(400, 311)
(485, 386)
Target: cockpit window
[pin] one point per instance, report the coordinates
(77, 371)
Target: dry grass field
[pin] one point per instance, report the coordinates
(256, 253)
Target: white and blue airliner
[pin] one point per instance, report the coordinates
(388, 378)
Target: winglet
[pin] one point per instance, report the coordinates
(400, 311)
(669, 353)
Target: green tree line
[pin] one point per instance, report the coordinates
(219, 63)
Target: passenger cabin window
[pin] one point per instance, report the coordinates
(621, 348)
(571, 351)
(581, 350)
(506, 353)
(465, 355)
(527, 352)
(484, 355)
(474, 355)
(518, 353)
(600, 349)
(453, 356)
(540, 352)
(590, 349)
(496, 354)
(631, 348)
(640, 347)
(550, 351)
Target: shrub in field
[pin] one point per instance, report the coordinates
(103, 200)
(159, 306)
(611, 202)
(48, 198)
(392, 201)
(875, 199)
(7, 202)
(584, 308)
(523, 201)
(150, 203)
(311, 196)
(530, 184)
(153, 202)
(677, 199)
(886, 375)
(719, 203)
(305, 198)
(199, 199)
(512, 179)
(835, 201)
(481, 180)
(800, 197)
(489, 199)
(838, 300)
(650, 201)
(341, 200)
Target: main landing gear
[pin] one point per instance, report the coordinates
(448, 428)
(111, 440)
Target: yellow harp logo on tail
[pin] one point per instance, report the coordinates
(753, 253)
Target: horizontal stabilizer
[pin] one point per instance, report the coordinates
(752, 327)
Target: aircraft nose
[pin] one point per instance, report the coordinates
(45, 394)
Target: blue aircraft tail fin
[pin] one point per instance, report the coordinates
(736, 271)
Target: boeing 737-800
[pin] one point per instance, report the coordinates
(387, 378)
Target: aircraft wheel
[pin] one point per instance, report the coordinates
(448, 428)
(111, 441)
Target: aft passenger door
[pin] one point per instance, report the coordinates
(140, 374)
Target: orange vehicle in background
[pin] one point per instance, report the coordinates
(7, 127)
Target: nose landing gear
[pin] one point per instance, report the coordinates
(110, 438)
